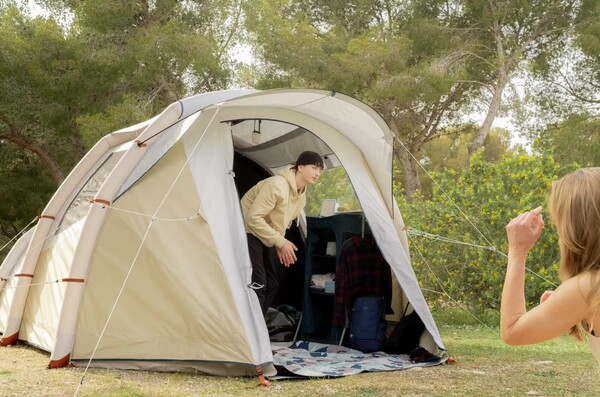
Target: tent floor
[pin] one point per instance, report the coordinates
(310, 359)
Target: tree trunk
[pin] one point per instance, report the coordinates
(410, 175)
(505, 66)
(492, 112)
(40, 152)
(409, 166)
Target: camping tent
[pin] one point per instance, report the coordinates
(140, 260)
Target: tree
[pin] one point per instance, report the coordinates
(510, 33)
(453, 262)
(450, 152)
(575, 140)
(112, 64)
(146, 55)
(402, 58)
(569, 83)
(36, 76)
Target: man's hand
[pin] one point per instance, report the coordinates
(287, 253)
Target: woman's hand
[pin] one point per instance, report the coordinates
(524, 230)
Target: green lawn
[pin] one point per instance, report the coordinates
(484, 367)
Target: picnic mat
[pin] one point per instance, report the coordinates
(310, 359)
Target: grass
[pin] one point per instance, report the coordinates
(484, 367)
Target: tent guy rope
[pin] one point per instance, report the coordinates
(490, 246)
(445, 194)
(139, 249)
(21, 232)
(52, 232)
(442, 286)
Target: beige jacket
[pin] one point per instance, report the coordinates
(271, 206)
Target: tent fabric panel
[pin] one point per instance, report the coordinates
(210, 150)
(46, 295)
(174, 128)
(278, 98)
(6, 297)
(198, 102)
(80, 204)
(175, 284)
(55, 208)
(10, 266)
(276, 156)
(210, 368)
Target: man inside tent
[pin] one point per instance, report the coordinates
(269, 209)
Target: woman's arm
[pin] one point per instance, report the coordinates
(563, 309)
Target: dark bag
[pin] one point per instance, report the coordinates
(406, 334)
(367, 324)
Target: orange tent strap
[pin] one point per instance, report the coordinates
(73, 280)
(46, 217)
(61, 362)
(10, 340)
(100, 201)
(24, 275)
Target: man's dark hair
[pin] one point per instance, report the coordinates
(309, 158)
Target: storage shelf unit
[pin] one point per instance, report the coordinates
(318, 304)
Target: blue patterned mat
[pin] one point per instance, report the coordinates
(309, 359)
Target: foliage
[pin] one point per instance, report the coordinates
(95, 67)
(20, 176)
(567, 82)
(450, 152)
(373, 50)
(473, 206)
(574, 140)
(333, 184)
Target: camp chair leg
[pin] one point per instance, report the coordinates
(346, 325)
(297, 329)
(342, 337)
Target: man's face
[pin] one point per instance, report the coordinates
(310, 173)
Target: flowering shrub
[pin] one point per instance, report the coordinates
(473, 206)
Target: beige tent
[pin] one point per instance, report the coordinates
(140, 261)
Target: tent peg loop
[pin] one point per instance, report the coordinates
(261, 377)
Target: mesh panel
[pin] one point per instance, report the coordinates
(81, 203)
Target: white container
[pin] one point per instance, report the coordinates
(330, 249)
(330, 286)
(328, 207)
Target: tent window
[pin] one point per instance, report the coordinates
(81, 203)
(333, 184)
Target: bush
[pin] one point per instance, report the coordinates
(473, 206)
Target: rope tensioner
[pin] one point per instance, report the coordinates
(101, 201)
(45, 217)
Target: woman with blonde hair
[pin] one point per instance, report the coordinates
(575, 210)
